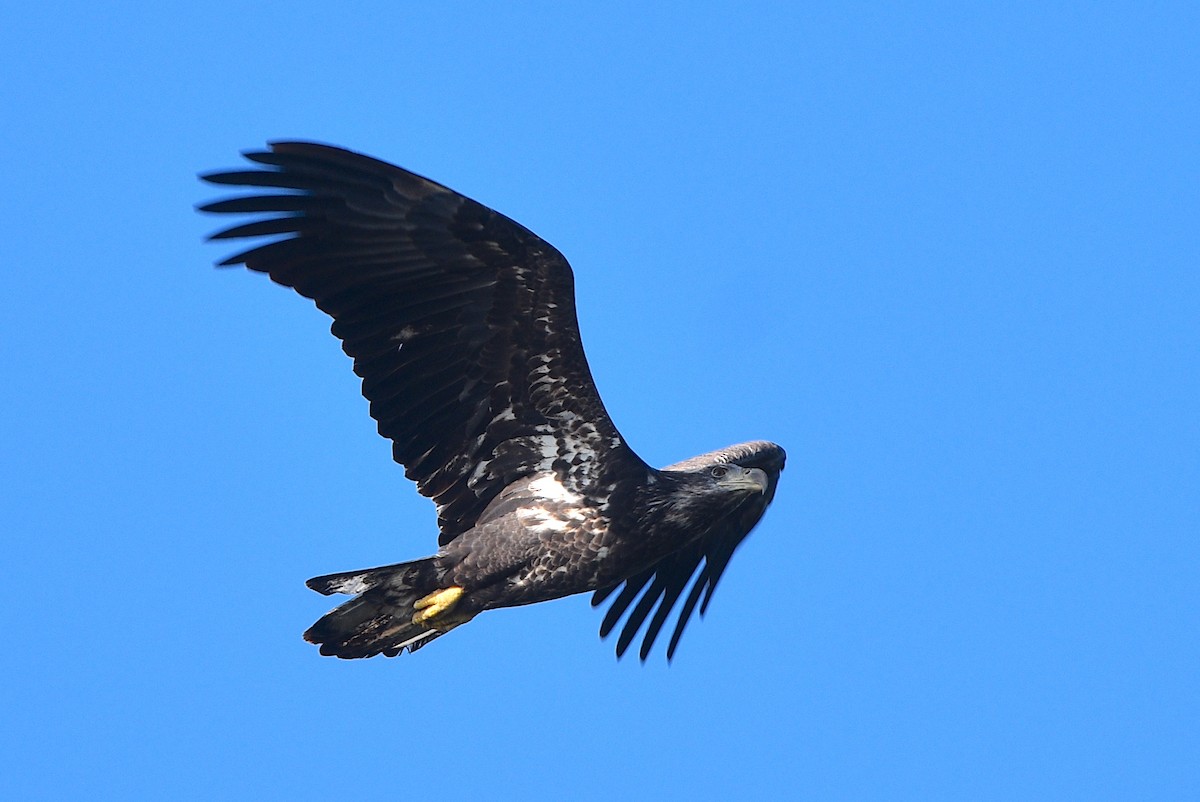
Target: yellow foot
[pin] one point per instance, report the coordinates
(436, 606)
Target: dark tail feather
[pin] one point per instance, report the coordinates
(379, 619)
(416, 574)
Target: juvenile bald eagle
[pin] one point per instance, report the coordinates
(462, 326)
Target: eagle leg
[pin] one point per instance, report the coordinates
(434, 610)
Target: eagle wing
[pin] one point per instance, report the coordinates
(460, 321)
(662, 584)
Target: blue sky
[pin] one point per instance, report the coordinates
(945, 256)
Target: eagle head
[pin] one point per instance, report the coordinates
(733, 478)
(712, 487)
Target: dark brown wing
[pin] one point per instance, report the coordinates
(661, 585)
(460, 321)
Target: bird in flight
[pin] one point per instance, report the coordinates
(461, 324)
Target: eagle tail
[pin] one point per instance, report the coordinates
(379, 619)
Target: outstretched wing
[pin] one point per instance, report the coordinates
(661, 585)
(461, 322)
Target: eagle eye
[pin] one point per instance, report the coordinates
(719, 471)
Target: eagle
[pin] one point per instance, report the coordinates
(462, 326)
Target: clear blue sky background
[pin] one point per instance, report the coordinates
(947, 257)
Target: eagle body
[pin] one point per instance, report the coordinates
(539, 541)
(462, 325)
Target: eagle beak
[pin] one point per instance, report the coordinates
(759, 477)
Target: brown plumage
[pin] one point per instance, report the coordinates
(462, 326)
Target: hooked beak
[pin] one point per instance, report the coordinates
(759, 477)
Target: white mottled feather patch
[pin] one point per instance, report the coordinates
(541, 521)
(351, 585)
(550, 489)
(404, 335)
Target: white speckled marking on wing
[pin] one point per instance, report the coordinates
(550, 489)
(540, 520)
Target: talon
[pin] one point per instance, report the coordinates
(436, 605)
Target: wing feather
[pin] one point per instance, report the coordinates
(450, 311)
